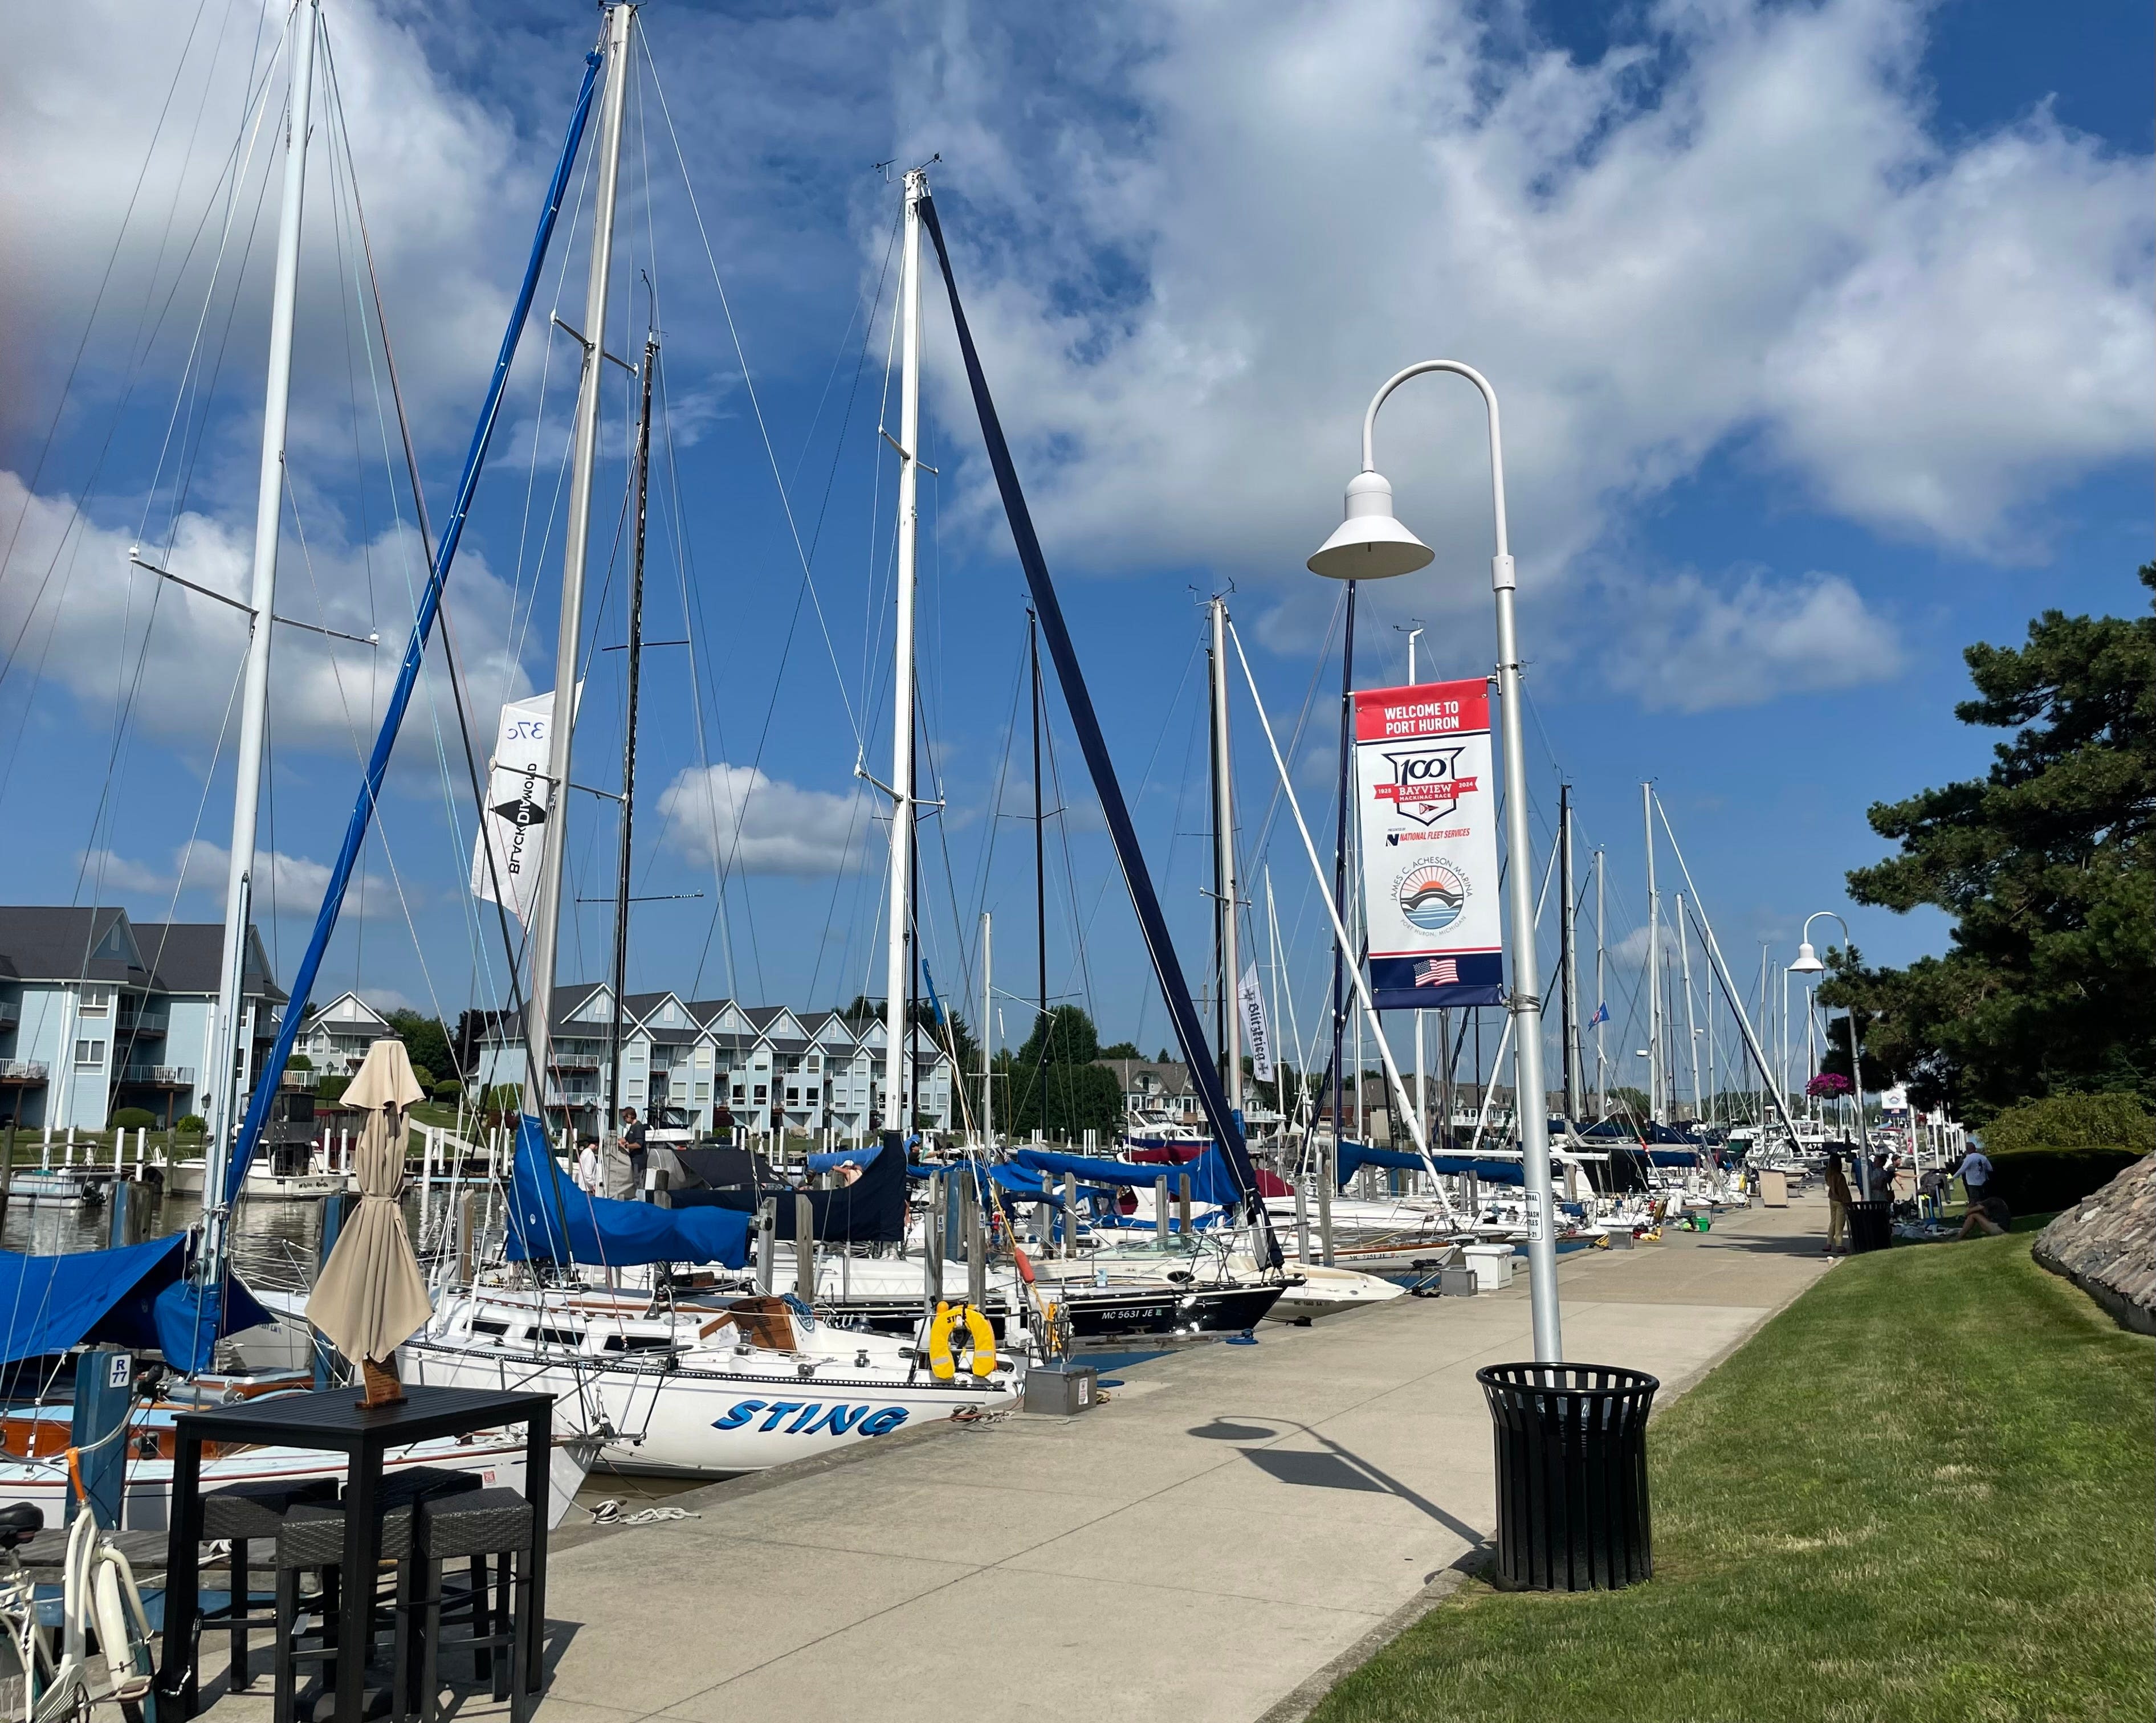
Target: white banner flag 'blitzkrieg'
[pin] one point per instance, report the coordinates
(518, 799)
(1257, 1031)
(1429, 826)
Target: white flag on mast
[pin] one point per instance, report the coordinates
(1257, 1031)
(519, 799)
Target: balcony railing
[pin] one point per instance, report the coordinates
(572, 1061)
(160, 1076)
(144, 1025)
(22, 1070)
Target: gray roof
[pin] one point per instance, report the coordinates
(1173, 1078)
(40, 942)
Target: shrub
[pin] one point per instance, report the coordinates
(2043, 1181)
(2073, 1122)
(426, 1078)
(132, 1119)
(299, 1062)
(191, 1125)
(449, 1093)
(329, 1086)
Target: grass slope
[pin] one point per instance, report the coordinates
(1924, 1491)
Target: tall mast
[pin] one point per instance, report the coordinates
(987, 1037)
(1224, 843)
(547, 907)
(1567, 960)
(896, 969)
(227, 1053)
(1692, 1030)
(635, 651)
(1654, 966)
(1601, 996)
(1040, 868)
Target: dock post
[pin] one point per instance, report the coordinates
(767, 1241)
(1182, 1205)
(6, 1169)
(467, 1241)
(330, 1364)
(1069, 1215)
(1301, 1218)
(104, 1392)
(1160, 1210)
(804, 1249)
(932, 1253)
(1327, 1159)
(977, 1247)
(127, 1214)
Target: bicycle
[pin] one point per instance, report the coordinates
(99, 1595)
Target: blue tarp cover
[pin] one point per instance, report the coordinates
(1210, 1181)
(136, 1296)
(1355, 1156)
(601, 1230)
(844, 1157)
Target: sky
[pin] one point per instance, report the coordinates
(1822, 333)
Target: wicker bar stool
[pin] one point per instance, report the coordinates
(241, 1515)
(310, 1538)
(493, 1528)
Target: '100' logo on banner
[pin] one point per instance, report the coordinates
(812, 1417)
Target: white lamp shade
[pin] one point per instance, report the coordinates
(1808, 962)
(1370, 544)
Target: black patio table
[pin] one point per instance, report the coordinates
(332, 1420)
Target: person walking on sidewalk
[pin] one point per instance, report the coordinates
(1975, 1170)
(1837, 1207)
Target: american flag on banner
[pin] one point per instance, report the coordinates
(1437, 972)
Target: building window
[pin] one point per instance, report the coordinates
(97, 1001)
(703, 1092)
(815, 1062)
(762, 1093)
(90, 1052)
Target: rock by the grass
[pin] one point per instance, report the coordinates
(2106, 1244)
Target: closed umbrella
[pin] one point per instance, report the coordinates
(371, 1296)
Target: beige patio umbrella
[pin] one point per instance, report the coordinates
(371, 1296)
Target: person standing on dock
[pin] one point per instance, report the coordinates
(1837, 1208)
(631, 1143)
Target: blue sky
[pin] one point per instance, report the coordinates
(1823, 332)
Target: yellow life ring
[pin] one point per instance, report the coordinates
(980, 1335)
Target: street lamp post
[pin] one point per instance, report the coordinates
(1370, 545)
(1808, 963)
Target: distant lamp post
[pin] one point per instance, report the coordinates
(1370, 544)
(1808, 963)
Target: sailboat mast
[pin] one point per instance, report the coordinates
(546, 909)
(1654, 966)
(896, 986)
(635, 648)
(1601, 999)
(1224, 841)
(1568, 959)
(1692, 1029)
(227, 1053)
(1040, 862)
(987, 1035)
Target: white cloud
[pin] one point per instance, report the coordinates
(1192, 255)
(1684, 646)
(293, 884)
(741, 818)
(75, 609)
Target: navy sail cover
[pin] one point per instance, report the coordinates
(137, 1296)
(551, 1220)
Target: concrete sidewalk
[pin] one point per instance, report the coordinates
(1233, 1530)
(1239, 1524)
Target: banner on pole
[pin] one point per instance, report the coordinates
(519, 798)
(1257, 1031)
(1427, 822)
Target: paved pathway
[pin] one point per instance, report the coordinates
(1237, 1526)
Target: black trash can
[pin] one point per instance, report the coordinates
(1572, 1475)
(1870, 1224)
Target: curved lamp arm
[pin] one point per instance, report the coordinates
(1496, 444)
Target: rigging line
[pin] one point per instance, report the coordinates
(231, 179)
(755, 404)
(104, 280)
(475, 916)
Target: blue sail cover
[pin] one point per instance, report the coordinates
(1210, 1179)
(1354, 1156)
(136, 1296)
(551, 1220)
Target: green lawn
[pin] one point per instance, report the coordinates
(1926, 1490)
